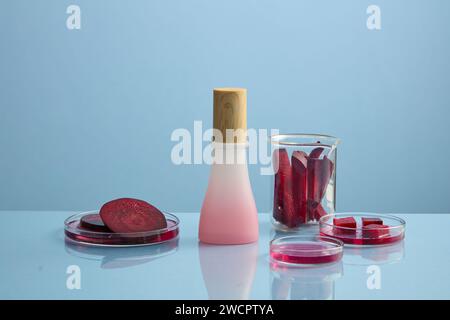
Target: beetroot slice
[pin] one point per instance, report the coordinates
(93, 222)
(319, 212)
(278, 188)
(299, 184)
(347, 222)
(290, 216)
(319, 175)
(369, 221)
(131, 215)
(291, 219)
(301, 156)
(323, 176)
(316, 210)
(375, 231)
(315, 153)
(284, 210)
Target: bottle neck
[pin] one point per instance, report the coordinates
(229, 153)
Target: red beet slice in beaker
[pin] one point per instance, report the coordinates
(300, 184)
(319, 175)
(127, 215)
(284, 210)
(316, 210)
(315, 153)
(278, 186)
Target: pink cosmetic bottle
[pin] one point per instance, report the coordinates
(228, 214)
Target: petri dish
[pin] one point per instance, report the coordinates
(76, 230)
(305, 250)
(391, 231)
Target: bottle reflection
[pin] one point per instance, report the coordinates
(228, 271)
(114, 257)
(304, 283)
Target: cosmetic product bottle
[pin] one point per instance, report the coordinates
(228, 214)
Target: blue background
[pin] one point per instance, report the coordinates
(86, 115)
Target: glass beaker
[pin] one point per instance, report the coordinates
(304, 184)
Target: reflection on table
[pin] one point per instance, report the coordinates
(374, 255)
(304, 283)
(228, 271)
(121, 257)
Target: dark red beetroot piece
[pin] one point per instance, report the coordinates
(284, 210)
(319, 175)
(315, 153)
(375, 231)
(368, 221)
(347, 222)
(93, 222)
(278, 189)
(300, 184)
(316, 210)
(127, 215)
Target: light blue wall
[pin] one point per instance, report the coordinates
(86, 115)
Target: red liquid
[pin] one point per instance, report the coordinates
(106, 238)
(358, 239)
(302, 253)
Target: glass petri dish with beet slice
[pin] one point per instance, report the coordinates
(77, 229)
(305, 250)
(363, 229)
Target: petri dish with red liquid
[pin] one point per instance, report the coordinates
(87, 228)
(305, 250)
(363, 229)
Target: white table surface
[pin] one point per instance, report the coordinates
(35, 259)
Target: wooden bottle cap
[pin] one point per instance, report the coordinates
(230, 115)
